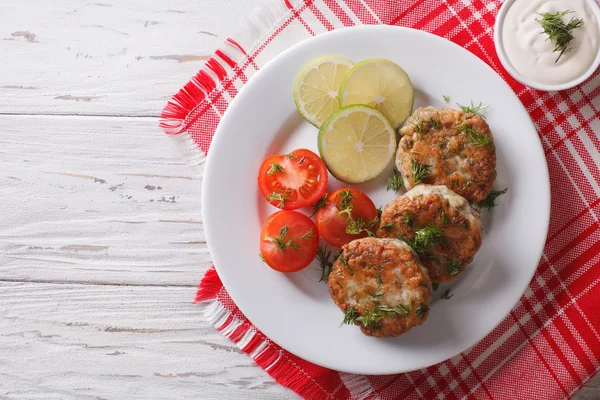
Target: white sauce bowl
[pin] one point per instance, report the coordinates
(525, 80)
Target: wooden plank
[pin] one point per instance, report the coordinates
(108, 342)
(106, 57)
(97, 200)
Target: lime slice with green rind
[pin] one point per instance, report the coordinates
(317, 88)
(357, 143)
(381, 84)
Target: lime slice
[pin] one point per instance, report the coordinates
(317, 88)
(357, 143)
(381, 84)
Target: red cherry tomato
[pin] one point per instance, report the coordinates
(293, 180)
(347, 215)
(288, 241)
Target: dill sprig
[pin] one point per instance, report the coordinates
(408, 218)
(419, 126)
(434, 259)
(371, 318)
(447, 295)
(422, 310)
(308, 235)
(379, 212)
(419, 171)
(280, 197)
(280, 242)
(358, 226)
(477, 138)
(434, 123)
(346, 198)
(435, 286)
(262, 257)
(350, 316)
(274, 169)
(425, 238)
(446, 99)
(394, 182)
(453, 267)
(387, 226)
(475, 109)
(444, 218)
(325, 263)
(490, 199)
(344, 262)
(319, 204)
(558, 32)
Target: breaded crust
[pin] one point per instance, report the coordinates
(457, 148)
(381, 285)
(440, 207)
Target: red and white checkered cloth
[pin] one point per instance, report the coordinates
(549, 345)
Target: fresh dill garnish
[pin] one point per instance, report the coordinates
(444, 218)
(435, 286)
(261, 257)
(319, 204)
(446, 99)
(403, 309)
(344, 262)
(419, 126)
(419, 171)
(358, 226)
(350, 316)
(477, 138)
(425, 238)
(346, 198)
(408, 217)
(558, 32)
(325, 263)
(371, 318)
(389, 225)
(280, 197)
(434, 123)
(394, 182)
(379, 212)
(490, 199)
(308, 235)
(389, 311)
(290, 156)
(446, 295)
(274, 169)
(434, 259)
(280, 242)
(453, 267)
(422, 310)
(475, 109)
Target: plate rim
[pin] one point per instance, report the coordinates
(220, 133)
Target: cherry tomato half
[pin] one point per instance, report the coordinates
(288, 241)
(347, 215)
(293, 180)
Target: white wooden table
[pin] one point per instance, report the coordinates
(101, 241)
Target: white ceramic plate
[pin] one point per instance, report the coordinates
(295, 310)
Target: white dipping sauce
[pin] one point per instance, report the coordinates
(532, 55)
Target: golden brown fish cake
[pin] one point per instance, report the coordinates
(435, 209)
(381, 286)
(456, 149)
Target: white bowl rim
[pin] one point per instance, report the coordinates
(529, 82)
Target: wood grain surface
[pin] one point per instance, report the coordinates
(101, 239)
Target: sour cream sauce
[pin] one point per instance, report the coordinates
(529, 52)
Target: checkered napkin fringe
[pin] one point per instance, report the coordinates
(549, 345)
